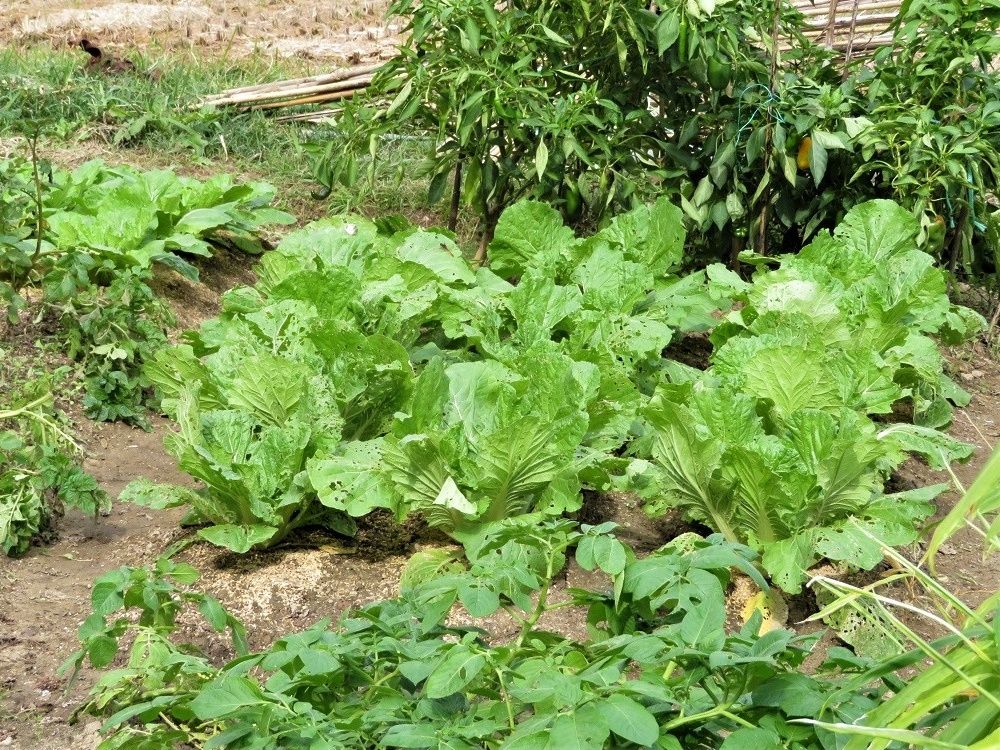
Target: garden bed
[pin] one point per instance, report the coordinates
(45, 595)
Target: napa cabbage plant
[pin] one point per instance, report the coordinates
(134, 218)
(479, 442)
(775, 445)
(798, 488)
(256, 394)
(412, 381)
(864, 306)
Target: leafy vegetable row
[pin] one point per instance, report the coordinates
(372, 367)
(61, 230)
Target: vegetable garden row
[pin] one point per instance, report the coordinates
(371, 366)
(613, 157)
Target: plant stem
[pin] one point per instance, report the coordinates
(700, 717)
(39, 204)
(14, 413)
(456, 196)
(540, 607)
(506, 699)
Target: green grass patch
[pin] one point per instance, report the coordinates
(50, 90)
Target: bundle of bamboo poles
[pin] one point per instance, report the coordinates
(327, 87)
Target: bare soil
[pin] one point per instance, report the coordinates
(339, 30)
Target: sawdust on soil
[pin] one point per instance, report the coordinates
(348, 31)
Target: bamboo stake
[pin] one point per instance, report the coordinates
(881, 20)
(350, 84)
(831, 21)
(863, 7)
(317, 116)
(315, 99)
(850, 38)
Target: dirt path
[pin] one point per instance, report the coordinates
(45, 595)
(960, 565)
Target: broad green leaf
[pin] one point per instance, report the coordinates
(794, 694)
(609, 554)
(528, 235)
(688, 464)
(703, 626)
(583, 728)
(201, 220)
(238, 538)
(478, 598)
(426, 565)
(351, 480)
(787, 561)
(880, 229)
(459, 668)
(818, 160)
(438, 254)
(939, 449)
(752, 739)
(667, 31)
(477, 392)
(410, 735)
(791, 379)
(226, 696)
(271, 388)
(629, 719)
(213, 613)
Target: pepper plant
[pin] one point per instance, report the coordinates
(929, 138)
(588, 108)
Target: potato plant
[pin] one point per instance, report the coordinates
(658, 669)
(40, 473)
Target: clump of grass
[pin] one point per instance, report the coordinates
(150, 107)
(398, 184)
